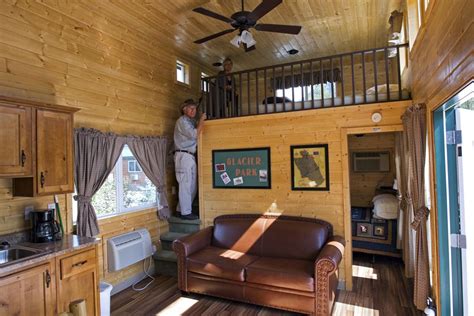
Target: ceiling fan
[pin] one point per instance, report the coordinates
(245, 20)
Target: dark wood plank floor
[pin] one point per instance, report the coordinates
(380, 289)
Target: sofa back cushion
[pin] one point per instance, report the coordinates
(271, 235)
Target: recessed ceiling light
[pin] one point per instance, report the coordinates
(293, 51)
(217, 64)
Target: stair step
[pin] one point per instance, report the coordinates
(168, 238)
(165, 255)
(175, 219)
(165, 263)
(179, 225)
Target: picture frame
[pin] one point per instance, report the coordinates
(243, 168)
(310, 167)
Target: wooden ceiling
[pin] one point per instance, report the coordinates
(329, 27)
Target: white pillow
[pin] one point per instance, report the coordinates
(385, 206)
(382, 88)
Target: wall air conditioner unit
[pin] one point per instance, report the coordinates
(126, 249)
(371, 161)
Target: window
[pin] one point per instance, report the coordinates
(126, 188)
(182, 72)
(204, 84)
(306, 92)
(133, 166)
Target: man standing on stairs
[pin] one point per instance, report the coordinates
(185, 140)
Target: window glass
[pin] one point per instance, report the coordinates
(182, 72)
(205, 84)
(306, 93)
(127, 188)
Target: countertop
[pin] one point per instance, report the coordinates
(68, 243)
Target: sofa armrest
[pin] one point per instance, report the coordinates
(325, 270)
(186, 246)
(190, 244)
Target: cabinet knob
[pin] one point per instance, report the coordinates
(23, 158)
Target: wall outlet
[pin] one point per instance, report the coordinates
(28, 210)
(173, 190)
(51, 206)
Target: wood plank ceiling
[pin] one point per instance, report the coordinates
(329, 27)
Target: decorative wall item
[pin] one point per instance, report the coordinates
(310, 167)
(241, 168)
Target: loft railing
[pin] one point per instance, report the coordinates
(360, 77)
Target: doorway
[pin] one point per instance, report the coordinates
(454, 155)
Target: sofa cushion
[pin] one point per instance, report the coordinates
(220, 263)
(286, 273)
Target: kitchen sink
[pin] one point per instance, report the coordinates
(15, 254)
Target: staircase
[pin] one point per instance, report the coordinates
(165, 259)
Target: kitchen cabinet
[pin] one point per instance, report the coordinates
(37, 147)
(28, 292)
(54, 157)
(15, 136)
(78, 280)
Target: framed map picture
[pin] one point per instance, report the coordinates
(309, 167)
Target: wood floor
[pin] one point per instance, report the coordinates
(379, 289)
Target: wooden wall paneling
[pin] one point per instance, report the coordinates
(279, 131)
(363, 184)
(441, 62)
(117, 68)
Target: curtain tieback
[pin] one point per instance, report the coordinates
(160, 188)
(420, 214)
(82, 198)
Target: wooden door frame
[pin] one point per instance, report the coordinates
(346, 191)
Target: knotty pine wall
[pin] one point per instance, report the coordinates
(363, 184)
(279, 131)
(441, 63)
(116, 68)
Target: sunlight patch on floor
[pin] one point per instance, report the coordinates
(178, 307)
(363, 272)
(353, 310)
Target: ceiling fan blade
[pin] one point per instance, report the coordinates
(208, 38)
(249, 49)
(263, 8)
(213, 14)
(278, 28)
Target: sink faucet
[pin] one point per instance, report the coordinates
(4, 245)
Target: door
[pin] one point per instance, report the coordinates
(454, 154)
(28, 292)
(15, 140)
(54, 152)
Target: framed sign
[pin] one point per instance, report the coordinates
(241, 168)
(310, 167)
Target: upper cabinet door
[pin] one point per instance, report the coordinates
(54, 172)
(15, 139)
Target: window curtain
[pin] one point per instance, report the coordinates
(414, 125)
(406, 209)
(151, 155)
(95, 156)
(295, 80)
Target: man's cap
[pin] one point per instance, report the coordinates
(187, 102)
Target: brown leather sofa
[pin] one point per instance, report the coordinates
(283, 262)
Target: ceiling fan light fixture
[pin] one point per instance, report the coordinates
(236, 41)
(248, 39)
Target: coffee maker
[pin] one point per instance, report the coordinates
(44, 228)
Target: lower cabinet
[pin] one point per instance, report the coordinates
(29, 292)
(77, 279)
(49, 287)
